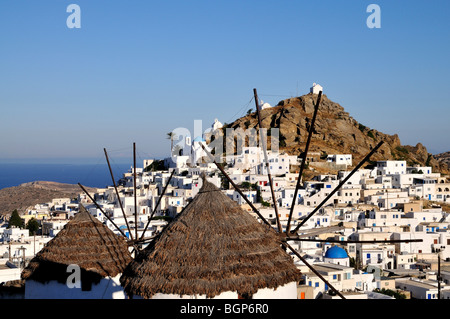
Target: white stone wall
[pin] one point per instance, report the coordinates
(107, 288)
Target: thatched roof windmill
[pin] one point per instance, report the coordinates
(85, 243)
(213, 248)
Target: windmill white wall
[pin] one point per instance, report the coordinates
(107, 288)
(288, 291)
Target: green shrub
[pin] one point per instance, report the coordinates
(265, 204)
(390, 292)
(402, 149)
(361, 127)
(282, 140)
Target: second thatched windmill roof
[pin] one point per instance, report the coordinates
(85, 242)
(213, 246)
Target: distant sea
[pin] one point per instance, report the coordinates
(92, 175)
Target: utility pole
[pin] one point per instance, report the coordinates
(439, 276)
(23, 256)
(387, 199)
(135, 195)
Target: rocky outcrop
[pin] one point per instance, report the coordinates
(335, 132)
(443, 159)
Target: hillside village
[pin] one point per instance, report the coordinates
(386, 201)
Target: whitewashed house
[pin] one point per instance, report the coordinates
(391, 167)
(340, 159)
(419, 289)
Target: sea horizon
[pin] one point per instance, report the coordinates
(90, 175)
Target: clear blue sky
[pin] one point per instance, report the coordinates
(136, 70)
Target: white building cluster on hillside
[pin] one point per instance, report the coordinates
(387, 202)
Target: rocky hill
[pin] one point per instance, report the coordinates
(443, 158)
(335, 132)
(29, 194)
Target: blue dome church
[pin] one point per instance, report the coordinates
(337, 255)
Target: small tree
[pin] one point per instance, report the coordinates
(282, 140)
(33, 226)
(156, 165)
(258, 195)
(224, 183)
(15, 219)
(264, 203)
(390, 292)
(324, 155)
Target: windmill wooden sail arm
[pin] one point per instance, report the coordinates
(156, 206)
(366, 158)
(255, 210)
(117, 194)
(304, 156)
(266, 160)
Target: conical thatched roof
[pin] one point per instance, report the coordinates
(85, 242)
(211, 247)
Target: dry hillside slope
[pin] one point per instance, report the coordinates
(29, 194)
